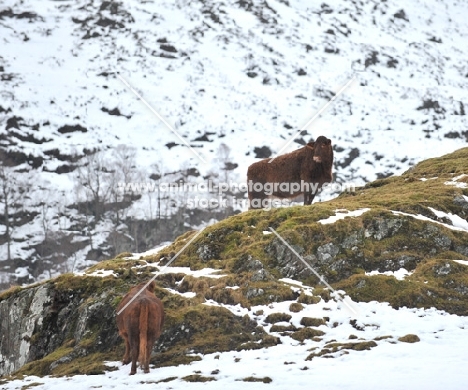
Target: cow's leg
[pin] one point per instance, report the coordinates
(149, 348)
(134, 348)
(256, 201)
(308, 198)
(126, 357)
(256, 197)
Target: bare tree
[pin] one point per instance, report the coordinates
(124, 162)
(125, 171)
(96, 181)
(12, 190)
(223, 156)
(157, 173)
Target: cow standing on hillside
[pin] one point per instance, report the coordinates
(140, 324)
(302, 171)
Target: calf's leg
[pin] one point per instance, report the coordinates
(126, 356)
(134, 348)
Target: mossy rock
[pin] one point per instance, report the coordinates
(266, 341)
(331, 348)
(310, 321)
(277, 317)
(283, 328)
(265, 379)
(9, 292)
(165, 380)
(379, 338)
(296, 307)
(409, 338)
(306, 333)
(198, 378)
(308, 299)
(356, 346)
(434, 283)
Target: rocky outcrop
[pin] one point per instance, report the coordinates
(18, 328)
(381, 243)
(38, 320)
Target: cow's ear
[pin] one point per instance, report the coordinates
(311, 145)
(329, 142)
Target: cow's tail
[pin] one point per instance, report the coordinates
(142, 358)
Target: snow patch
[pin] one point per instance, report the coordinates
(343, 214)
(151, 252)
(100, 273)
(401, 274)
(454, 182)
(457, 221)
(424, 218)
(205, 272)
(21, 272)
(188, 294)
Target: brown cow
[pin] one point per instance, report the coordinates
(140, 325)
(302, 171)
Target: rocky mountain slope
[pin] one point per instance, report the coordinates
(237, 287)
(235, 79)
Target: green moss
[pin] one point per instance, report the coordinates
(42, 367)
(8, 293)
(435, 283)
(207, 329)
(84, 284)
(272, 292)
(323, 293)
(92, 364)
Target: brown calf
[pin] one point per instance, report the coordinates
(140, 325)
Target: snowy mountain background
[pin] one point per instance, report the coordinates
(235, 79)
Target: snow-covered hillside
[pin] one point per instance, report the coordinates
(235, 79)
(384, 348)
(433, 363)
